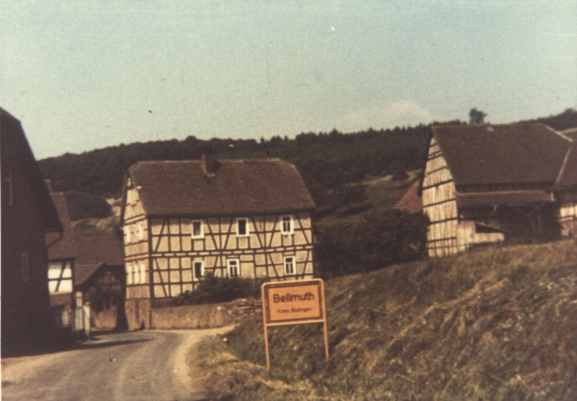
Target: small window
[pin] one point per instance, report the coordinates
(198, 267)
(242, 227)
(140, 231)
(287, 225)
(197, 229)
(289, 265)
(233, 268)
(25, 267)
(127, 234)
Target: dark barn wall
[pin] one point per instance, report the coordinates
(25, 303)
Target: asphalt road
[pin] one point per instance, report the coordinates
(137, 366)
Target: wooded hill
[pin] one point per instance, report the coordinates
(328, 160)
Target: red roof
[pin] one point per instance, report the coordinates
(411, 201)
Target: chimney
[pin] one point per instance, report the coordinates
(208, 165)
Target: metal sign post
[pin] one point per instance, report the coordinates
(294, 302)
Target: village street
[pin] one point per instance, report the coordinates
(136, 366)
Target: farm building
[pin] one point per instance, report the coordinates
(485, 184)
(183, 220)
(27, 215)
(85, 265)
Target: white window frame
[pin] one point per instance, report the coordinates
(194, 276)
(247, 227)
(291, 224)
(293, 262)
(229, 266)
(199, 236)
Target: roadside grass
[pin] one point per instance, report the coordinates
(497, 324)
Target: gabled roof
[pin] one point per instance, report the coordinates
(516, 154)
(90, 250)
(236, 187)
(571, 133)
(568, 175)
(65, 247)
(15, 146)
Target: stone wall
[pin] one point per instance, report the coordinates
(204, 316)
(137, 313)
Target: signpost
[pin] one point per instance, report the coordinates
(293, 302)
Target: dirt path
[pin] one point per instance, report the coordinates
(140, 366)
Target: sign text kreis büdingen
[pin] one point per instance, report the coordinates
(294, 302)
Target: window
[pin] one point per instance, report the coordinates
(140, 231)
(242, 227)
(25, 267)
(287, 225)
(60, 276)
(143, 272)
(198, 267)
(233, 268)
(197, 229)
(289, 265)
(127, 234)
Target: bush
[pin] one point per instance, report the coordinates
(380, 239)
(216, 289)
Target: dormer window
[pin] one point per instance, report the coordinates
(242, 227)
(287, 225)
(197, 229)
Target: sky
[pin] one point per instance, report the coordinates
(87, 74)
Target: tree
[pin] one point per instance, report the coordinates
(476, 116)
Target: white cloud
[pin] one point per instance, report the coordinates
(397, 113)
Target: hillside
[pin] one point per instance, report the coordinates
(329, 161)
(489, 325)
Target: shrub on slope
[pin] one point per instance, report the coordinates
(488, 325)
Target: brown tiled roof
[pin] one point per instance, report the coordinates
(90, 250)
(258, 186)
(411, 201)
(15, 146)
(502, 198)
(94, 248)
(571, 133)
(65, 247)
(526, 154)
(82, 273)
(568, 175)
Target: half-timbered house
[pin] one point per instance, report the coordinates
(183, 220)
(82, 263)
(27, 215)
(485, 184)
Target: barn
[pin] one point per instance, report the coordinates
(184, 220)
(484, 184)
(27, 215)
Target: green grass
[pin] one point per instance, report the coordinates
(497, 324)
